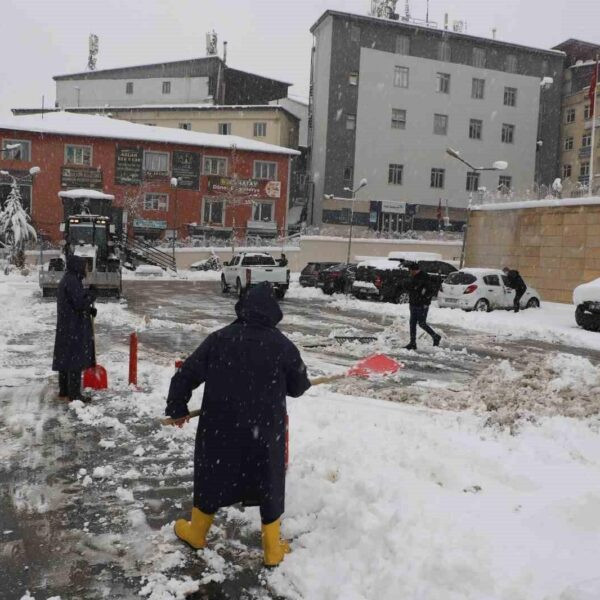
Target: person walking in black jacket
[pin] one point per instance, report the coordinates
(248, 369)
(74, 341)
(515, 282)
(420, 292)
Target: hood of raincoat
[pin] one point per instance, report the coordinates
(258, 306)
(76, 264)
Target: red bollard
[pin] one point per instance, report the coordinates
(133, 358)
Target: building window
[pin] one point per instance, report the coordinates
(348, 175)
(511, 63)
(156, 162)
(401, 77)
(566, 171)
(213, 212)
(19, 150)
(586, 111)
(186, 126)
(156, 202)
(569, 143)
(584, 169)
(475, 127)
(586, 140)
(442, 83)
(260, 129)
(224, 128)
(402, 44)
(510, 96)
(355, 33)
(166, 87)
(437, 178)
(351, 122)
(78, 155)
(570, 115)
(129, 87)
(472, 181)
(444, 51)
(262, 211)
(398, 118)
(479, 58)
(440, 124)
(265, 170)
(477, 88)
(215, 166)
(504, 183)
(508, 133)
(395, 174)
(353, 78)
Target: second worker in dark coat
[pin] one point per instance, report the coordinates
(420, 292)
(515, 282)
(248, 368)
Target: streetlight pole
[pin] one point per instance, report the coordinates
(175, 185)
(362, 184)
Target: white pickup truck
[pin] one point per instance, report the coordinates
(247, 269)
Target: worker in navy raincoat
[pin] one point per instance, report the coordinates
(248, 368)
(74, 342)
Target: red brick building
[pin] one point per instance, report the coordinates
(222, 180)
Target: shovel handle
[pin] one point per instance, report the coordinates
(170, 421)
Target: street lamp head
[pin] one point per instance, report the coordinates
(34, 171)
(452, 152)
(363, 182)
(328, 196)
(347, 189)
(500, 165)
(174, 182)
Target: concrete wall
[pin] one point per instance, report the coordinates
(554, 248)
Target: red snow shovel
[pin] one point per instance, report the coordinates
(377, 364)
(95, 377)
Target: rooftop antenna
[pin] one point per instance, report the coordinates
(407, 11)
(427, 14)
(93, 52)
(446, 21)
(225, 52)
(494, 33)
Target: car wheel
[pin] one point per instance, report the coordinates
(482, 305)
(533, 303)
(224, 286)
(238, 288)
(587, 321)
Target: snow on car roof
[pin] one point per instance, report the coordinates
(105, 127)
(587, 292)
(415, 255)
(482, 271)
(82, 193)
(384, 264)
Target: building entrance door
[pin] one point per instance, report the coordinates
(392, 223)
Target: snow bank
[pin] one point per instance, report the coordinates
(550, 202)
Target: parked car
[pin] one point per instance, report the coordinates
(248, 269)
(586, 298)
(337, 279)
(482, 290)
(310, 274)
(388, 279)
(212, 263)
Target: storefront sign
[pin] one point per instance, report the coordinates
(149, 224)
(391, 206)
(244, 187)
(81, 177)
(128, 166)
(186, 168)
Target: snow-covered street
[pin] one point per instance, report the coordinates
(470, 474)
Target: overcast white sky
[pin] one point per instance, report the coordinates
(42, 38)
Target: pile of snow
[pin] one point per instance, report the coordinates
(149, 270)
(587, 292)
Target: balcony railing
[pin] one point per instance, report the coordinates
(585, 152)
(261, 225)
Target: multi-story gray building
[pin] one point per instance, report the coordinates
(387, 98)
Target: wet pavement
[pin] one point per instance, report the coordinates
(64, 531)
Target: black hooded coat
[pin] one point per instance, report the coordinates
(74, 342)
(248, 369)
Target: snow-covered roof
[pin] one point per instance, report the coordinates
(82, 193)
(66, 123)
(539, 203)
(587, 292)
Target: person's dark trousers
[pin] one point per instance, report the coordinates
(418, 316)
(518, 296)
(69, 384)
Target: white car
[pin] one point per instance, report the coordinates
(482, 290)
(586, 298)
(248, 269)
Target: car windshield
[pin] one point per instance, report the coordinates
(258, 260)
(460, 278)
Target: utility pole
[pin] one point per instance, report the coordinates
(593, 111)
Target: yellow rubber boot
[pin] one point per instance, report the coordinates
(194, 532)
(274, 548)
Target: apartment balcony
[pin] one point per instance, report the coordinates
(585, 152)
(588, 123)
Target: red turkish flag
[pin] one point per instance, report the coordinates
(592, 93)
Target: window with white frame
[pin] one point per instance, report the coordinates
(158, 202)
(260, 129)
(16, 150)
(569, 143)
(510, 96)
(156, 162)
(477, 88)
(437, 178)
(504, 183)
(129, 87)
(351, 122)
(440, 124)
(215, 166)
(570, 115)
(472, 181)
(566, 171)
(186, 126)
(353, 78)
(224, 128)
(479, 57)
(584, 169)
(166, 87)
(395, 174)
(442, 83)
(401, 77)
(402, 44)
(78, 155)
(586, 111)
(214, 211)
(262, 211)
(398, 118)
(475, 127)
(265, 170)
(508, 133)
(586, 140)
